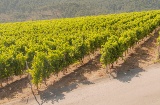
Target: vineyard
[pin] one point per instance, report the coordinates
(48, 46)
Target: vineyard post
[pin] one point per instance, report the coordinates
(29, 78)
(27, 68)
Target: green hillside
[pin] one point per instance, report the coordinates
(48, 46)
(21, 10)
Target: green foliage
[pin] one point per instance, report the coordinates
(136, 30)
(51, 45)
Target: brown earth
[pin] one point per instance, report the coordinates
(142, 55)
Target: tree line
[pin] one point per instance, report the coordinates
(22, 10)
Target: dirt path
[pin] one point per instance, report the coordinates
(134, 87)
(81, 77)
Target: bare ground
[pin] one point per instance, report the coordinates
(141, 56)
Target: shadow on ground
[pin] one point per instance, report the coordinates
(128, 75)
(131, 67)
(68, 83)
(56, 91)
(10, 90)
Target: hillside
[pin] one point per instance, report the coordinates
(49, 46)
(21, 10)
(45, 49)
(90, 75)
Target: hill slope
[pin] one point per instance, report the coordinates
(20, 10)
(50, 46)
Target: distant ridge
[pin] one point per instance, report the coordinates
(22, 10)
